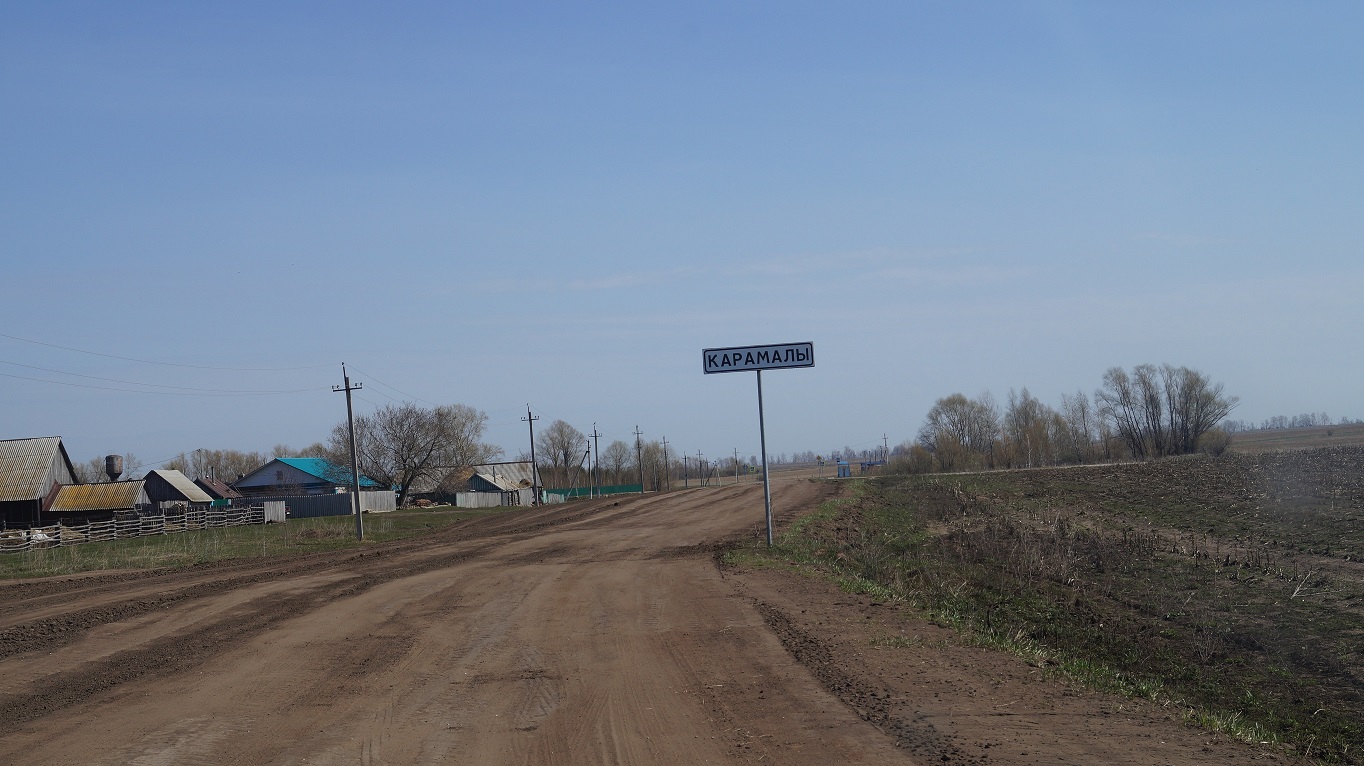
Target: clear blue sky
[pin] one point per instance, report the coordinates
(562, 204)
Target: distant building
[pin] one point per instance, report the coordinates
(31, 472)
(298, 476)
(217, 489)
(503, 477)
(446, 482)
(167, 488)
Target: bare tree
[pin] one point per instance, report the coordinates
(615, 458)
(1161, 411)
(91, 471)
(1028, 429)
(1120, 406)
(562, 445)
(1195, 406)
(961, 432)
(1080, 427)
(651, 465)
(399, 444)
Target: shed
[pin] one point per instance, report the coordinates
(217, 489)
(31, 470)
(94, 502)
(440, 483)
(503, 477)
(298, 476)
(169, 487)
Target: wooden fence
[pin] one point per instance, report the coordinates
(20, 540)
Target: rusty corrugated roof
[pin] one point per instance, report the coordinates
(24, 465)
(111, 496)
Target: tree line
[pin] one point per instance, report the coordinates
(562, 455)
(1279, 422)
(1148, 412)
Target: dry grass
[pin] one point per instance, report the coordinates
(1297, 438)
(254, 541)
(1231, 586)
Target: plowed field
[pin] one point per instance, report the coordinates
(598, 632)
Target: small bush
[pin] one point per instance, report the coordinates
(1214, 442)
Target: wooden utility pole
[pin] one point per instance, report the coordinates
(667, 469)
(639, 458)
(596, 463)
(354, 461)
(534, 471)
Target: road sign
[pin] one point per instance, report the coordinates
(750, 358)
(755, 359)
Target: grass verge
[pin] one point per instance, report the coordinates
(1106, 578)
(254, 541)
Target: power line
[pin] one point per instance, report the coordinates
(395, 388)
(163, 364)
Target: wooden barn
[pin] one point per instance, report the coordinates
(31, 471)
(172, 489)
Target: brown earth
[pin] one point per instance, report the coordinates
(599, 632)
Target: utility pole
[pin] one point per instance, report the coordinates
(701, 468)
(639, 458)
(885, 448)
(596, 462)
(685, 479)
(534, 472)
(354, 461)
(667, 469)
(736, 466)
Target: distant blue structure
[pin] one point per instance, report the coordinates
(844, 470)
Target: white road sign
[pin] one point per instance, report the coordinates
(749, 358)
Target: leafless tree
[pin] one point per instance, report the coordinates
(1120, 405)
(562, 446)
(615, 458)
(651, 463)
(1027, 429)
(1195, 405)
(225, 465)
(92, 470)
(961, 432)
(1080, 428)
(399, 444)
(1161, 411)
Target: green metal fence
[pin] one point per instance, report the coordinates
(612, 489)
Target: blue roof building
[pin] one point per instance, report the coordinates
(296, 476)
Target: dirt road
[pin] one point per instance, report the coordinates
(593, 633)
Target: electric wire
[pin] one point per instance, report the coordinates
(395, 388)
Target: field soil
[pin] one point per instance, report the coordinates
(602, 632)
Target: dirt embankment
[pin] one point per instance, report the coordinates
(598, 632)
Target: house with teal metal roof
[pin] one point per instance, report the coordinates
(298, 476)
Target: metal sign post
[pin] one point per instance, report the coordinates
(757, 359)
